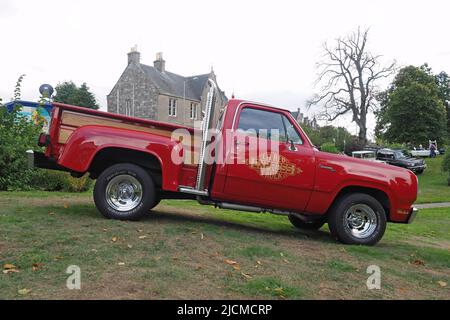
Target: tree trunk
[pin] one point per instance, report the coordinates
(362, 135)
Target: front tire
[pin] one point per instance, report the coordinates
(357, 218)
(124, 192)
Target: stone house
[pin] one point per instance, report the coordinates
(302, 119)
(152, 92)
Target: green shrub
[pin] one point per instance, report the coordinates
(17, 135)
(446, 165)
(51, 180)
(329, 147)
(353, 145)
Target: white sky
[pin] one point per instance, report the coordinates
(261, 50)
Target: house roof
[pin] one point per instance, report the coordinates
(174, 84)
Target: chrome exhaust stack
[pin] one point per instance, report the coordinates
(200, 189)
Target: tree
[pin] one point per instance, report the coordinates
(348, 76)
(338, 136)
(443, 82)
(68, 92)
(412, 110)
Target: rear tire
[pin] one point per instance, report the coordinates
(310, 225)
(357, 218)
(124, 192)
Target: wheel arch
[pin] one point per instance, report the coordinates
(109, 156)
(381, 196)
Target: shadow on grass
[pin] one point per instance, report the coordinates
(174, 216)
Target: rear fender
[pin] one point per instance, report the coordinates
(85, 142)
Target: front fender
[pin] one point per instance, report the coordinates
(334, 173)
(85, 142)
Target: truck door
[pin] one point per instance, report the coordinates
(290, 185)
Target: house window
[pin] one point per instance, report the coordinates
(128, 107)
(172, 107)
(193, 111)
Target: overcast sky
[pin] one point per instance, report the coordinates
(261, 50)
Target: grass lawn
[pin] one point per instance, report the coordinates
(184, 250)
(433, 185)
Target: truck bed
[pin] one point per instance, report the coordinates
(72, 117)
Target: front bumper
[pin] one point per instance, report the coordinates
(412, 214)
(417, 168)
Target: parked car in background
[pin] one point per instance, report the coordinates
(421, 152)
(366, 155)
(399, 159)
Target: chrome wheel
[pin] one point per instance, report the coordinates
(123, 193)
(360, 221)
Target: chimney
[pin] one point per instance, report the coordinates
(134, 56)
(159, 63)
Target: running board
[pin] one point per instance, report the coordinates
(193, 191)
(240, 207)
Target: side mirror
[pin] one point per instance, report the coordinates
(292, 146)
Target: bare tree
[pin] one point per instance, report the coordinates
(348, 77)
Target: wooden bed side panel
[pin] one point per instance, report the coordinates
(70, 121)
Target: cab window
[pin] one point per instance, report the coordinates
(262, 123)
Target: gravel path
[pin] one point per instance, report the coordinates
(432, 205)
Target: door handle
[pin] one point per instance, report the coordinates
(329, 168)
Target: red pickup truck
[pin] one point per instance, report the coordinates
(136, 163)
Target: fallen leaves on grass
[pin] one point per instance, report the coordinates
(114, 239)
(24, 291)
(36, 266)
(418, 262)
(442, 283)
(66, 205)
(246, 276)
(9, 268)
(234, 264)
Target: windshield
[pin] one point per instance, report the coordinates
(399, 155)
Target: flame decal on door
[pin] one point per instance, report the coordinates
(273, 166)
